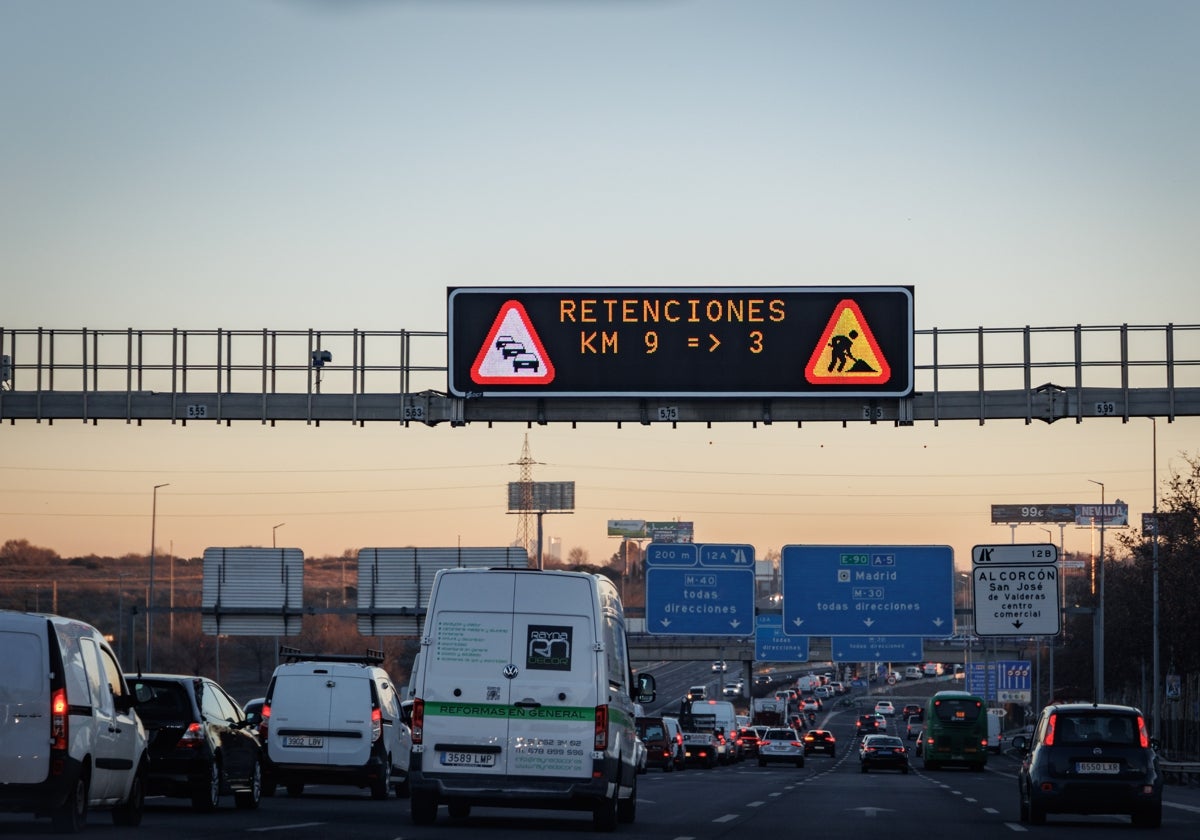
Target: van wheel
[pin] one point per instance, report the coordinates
(423, 807)
(380, 786)
(71, 816)
(249, 799)
(129, 813)
(206, 795)
(627, 808)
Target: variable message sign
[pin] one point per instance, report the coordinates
(868, 590)
(700, 589)
(685, 342)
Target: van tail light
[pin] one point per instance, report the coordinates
(418, 721)
(191, 738)
(264, 722)
(1143, 733)
(600, 740)
(376, 724)
(1049, 739)
(59, 719)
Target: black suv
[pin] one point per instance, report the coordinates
(868, 725)
(1087, 758)
(201, 745)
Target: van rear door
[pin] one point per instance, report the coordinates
(24, 708)
(319, 717)
(510, 684)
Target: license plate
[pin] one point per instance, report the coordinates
(303, 741)
(1097, 767)
(468, 759)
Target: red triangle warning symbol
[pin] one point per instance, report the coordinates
(512, 354)
(847, 353)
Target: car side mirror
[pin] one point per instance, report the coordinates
(123, 703)
(645, 690)
(1020, 743)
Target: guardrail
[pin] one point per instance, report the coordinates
(1180, 772)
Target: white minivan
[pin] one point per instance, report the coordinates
(70, 740)
(334, 719)
(523, 696)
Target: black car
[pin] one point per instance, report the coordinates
(820, 740)
(1087, 758)
(868, 725)
(201, 744)
(885, 752)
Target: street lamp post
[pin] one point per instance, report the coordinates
(1154, 727)
(1098, 619)
(150, 596)
(275, 528)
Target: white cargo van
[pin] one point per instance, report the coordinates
(69, 738)
(334, 719)
(523, 696)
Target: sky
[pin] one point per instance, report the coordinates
(297, 164)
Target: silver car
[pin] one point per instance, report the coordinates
(779, 744)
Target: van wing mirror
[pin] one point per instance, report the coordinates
(645, 690)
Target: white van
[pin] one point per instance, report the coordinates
(524, 696)
(334, 719)
(69, 738)
(995, 737)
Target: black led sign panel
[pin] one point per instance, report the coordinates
(850, 341)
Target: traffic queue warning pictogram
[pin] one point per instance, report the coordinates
(513, 353)
(847, 353)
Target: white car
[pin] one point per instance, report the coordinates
(885, 707)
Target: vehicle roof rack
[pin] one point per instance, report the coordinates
(291, 654)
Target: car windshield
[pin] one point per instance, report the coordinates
(1094, 728)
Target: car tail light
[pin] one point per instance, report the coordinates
(191, 738)
(376, 724)
(59, 719)
(418, 721)
(600, 736)
(1049, 739)
(264, 722)
(1143, 734)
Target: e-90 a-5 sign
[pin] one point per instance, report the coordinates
(686, 342)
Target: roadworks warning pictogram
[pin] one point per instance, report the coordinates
(512, 354)
(847, 353)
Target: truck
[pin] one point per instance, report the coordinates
(768, 711)
(700, 742)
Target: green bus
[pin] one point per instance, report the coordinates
(956, 731)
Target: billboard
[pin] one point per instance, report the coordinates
(681, 341)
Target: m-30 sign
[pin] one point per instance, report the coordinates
(686, 342)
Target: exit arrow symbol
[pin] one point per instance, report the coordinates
(797, 621)
(666, 622)
(735, 624)
(937, 622)
(869, 622)
(716, 342)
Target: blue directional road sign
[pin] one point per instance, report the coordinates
(876, 648)
(868, 590)
(771, 644)
(699, 589)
